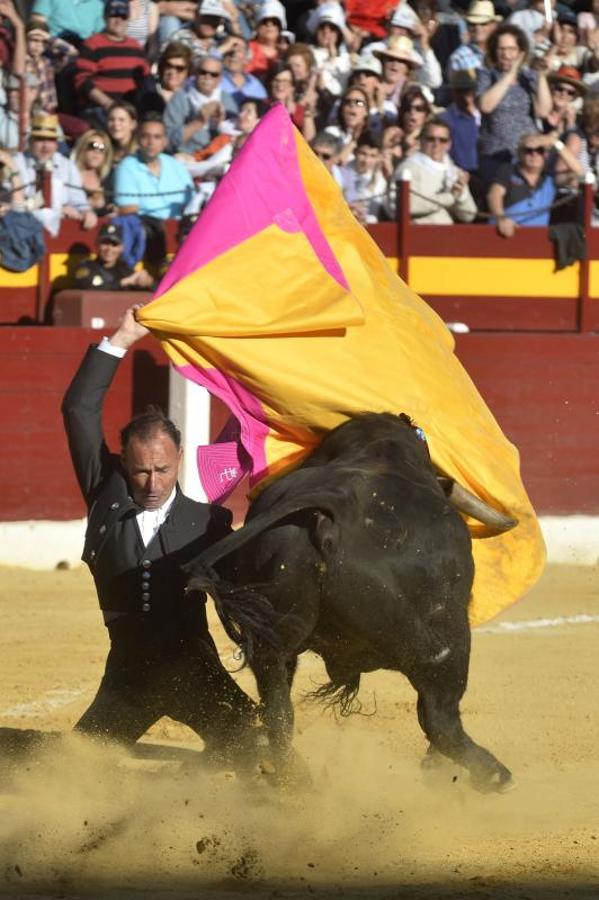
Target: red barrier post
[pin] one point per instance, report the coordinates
(402, 213)
(585, 265)
(43, 280)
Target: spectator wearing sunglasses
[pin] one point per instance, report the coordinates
(414, 110)
(327, 148)
(521, 194)
(110, 66)
(108, 271)
(199, 111)
(439, 193)
(566, 89)
(353, 118)
(174, 67)
(92, 154)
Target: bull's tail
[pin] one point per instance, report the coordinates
(245, 612)
(340, 697)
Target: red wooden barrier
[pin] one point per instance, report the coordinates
(541, 388)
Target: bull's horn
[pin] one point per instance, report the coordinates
(468, 503)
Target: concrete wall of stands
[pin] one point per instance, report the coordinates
(541, 387)
(531, 351)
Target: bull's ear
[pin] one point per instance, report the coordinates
(325, 533)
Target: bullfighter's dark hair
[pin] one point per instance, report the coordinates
(147, 424)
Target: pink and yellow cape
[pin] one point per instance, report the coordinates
(281, 305)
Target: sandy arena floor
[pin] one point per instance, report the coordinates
(77, 821)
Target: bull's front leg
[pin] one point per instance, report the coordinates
(274, 677)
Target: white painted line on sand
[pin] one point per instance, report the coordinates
(52, 700)
(507, 627)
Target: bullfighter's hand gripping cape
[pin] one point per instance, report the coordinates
(281, 305)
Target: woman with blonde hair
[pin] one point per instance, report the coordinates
(92, 154)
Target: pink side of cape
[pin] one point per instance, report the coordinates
(221, 466)
(262, 187)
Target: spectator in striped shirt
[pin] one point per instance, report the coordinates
(110, 67)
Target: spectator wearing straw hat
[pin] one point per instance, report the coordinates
(406, 23)
(481, 21)
(400, 64)
(69, 200)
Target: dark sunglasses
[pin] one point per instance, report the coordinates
(114, 242)
(208, 73)
(123, 16)
(564, 89)
(530, 150)
(323, 154)
(175, 67)
(434, 139)
(269, 22)
(96, 145)
(354, 101)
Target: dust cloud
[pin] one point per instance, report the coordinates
(78, 816)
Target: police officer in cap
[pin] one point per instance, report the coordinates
(109, 271)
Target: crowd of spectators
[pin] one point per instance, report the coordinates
(137, 107)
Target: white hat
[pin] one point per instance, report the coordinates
(328, 12)
(213, 8)
(480, 12)
(401, 48)
(272, 9)
(367, 62)
(404, 17)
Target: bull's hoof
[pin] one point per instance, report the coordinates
(292, 774)
(499, 781)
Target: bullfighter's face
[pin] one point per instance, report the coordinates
(152, 468)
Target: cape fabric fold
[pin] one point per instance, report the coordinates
(282, 306)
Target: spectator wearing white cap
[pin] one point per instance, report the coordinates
(400, 63)
(333, 61)
(265, 50)
(367, 73)
(481, 21)
(211, 29)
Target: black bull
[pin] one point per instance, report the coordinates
(366, 562)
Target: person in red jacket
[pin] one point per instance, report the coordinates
(110, 67)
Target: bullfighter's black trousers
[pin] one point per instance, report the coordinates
(150, 674)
